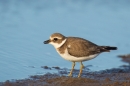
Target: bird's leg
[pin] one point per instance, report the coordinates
(81, 67)
(73, 65)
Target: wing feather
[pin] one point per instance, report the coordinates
(79, 47)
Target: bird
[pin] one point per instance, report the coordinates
(76, 49)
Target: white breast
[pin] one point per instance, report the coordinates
(67, 56)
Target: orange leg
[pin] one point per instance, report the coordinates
(73, 65)
(81, 67)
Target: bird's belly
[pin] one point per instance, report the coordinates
(77, 59)
(69, 57)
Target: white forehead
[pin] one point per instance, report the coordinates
(55, 37)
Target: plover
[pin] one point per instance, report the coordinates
(76, 49)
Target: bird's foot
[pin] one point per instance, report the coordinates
(79, 75)
(70, 75)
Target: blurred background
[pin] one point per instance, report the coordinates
(25, 24)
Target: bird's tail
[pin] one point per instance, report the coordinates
(107, 48)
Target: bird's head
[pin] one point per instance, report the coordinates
(56, 39)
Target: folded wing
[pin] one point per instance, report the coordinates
(81, 47)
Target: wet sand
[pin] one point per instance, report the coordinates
(111, 77)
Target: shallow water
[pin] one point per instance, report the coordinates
(24, 25)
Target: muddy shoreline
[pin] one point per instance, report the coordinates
(112, 77)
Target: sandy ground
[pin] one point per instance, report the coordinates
(112, 77)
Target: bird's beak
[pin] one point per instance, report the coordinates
(46, 42)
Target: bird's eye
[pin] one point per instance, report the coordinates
(55, 39)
